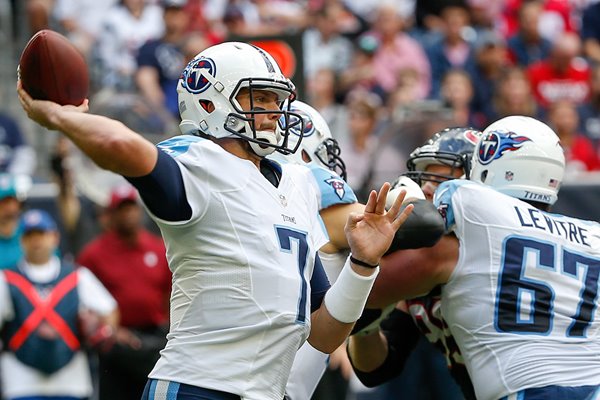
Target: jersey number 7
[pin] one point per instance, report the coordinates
(286, 235)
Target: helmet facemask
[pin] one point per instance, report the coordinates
(328, 152)
(242, 123)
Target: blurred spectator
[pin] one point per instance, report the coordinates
(199, 23)
(258, 17)
(286, 16)
(428, 14)
(397, 51)
(193, 43)
(12, 195)
(366, 9)
(557, 19)
(513, 96)
(590, 32)
(580, 154)
(589, 112)
(564, 75)
(125, 28)
(527, 45)
(16, 156)
(323, 45)
(42, 302)
(321, 93)
(81, 219)
(370, 161)
(491, 59)
(406, 93)
(487, 15)
(360, 74)
(131, 263)
(457, 94)
(452, 50)
(81, 20)
(160, 61)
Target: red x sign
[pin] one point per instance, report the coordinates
(43, 309)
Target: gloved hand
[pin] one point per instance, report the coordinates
(413, 191)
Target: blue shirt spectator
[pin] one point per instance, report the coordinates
(16, 156)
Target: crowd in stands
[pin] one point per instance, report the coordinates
(465, 61)
(385, 74)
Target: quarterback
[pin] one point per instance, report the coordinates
(242, 232)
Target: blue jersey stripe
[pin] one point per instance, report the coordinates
(178, 145)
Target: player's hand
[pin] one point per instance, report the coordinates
(45, 112)
(370, 233)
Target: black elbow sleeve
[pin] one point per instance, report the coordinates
(402, 335)
(423, 228)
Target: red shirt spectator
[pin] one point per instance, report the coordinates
(581, 155)
(564, 75)
(136, 274)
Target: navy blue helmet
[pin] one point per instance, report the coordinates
(452, 147)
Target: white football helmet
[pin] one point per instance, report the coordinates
(215, 76)
(316, 143)
(521, 157)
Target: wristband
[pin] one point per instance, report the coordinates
(362, 263)
(347, 297)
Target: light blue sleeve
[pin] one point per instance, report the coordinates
(443, 200)
(332, 188)
(178, 145)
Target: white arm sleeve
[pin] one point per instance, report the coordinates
(308, 369)
(333, 263)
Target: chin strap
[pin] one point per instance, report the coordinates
(267, 137)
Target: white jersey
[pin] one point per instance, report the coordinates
(240, 305)
(521, 301)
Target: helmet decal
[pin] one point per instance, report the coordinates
(472, 136)
(309, 126)
(268, 62)
(496, 143)
(337, 185)
(192, 78)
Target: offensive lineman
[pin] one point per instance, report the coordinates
(447, 155)
(520, 300)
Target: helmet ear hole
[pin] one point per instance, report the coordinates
(483, 175)
(207, 105)
(306, 157)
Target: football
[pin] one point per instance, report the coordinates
(51, 68)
